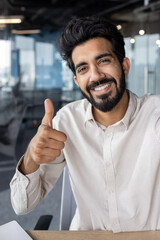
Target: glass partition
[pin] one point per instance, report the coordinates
(5, 62)
(143, 53)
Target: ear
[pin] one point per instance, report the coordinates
(75, 80)
(126, 66)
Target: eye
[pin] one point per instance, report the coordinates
(104, 60)
(82, 69)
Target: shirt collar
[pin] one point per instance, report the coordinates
(127, 117)
(130, 110)
(89, 115)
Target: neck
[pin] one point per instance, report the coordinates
(109, 118)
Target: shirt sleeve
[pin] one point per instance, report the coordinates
(28, 190)
(157, 125)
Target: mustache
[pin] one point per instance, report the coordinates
(102, 81)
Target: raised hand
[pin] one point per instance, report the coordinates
(49, 112)
(46, 145)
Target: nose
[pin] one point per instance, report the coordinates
(96, 74)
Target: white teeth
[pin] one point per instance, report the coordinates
(103, 87)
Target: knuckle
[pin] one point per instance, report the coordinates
(44, 130)
(62, 145)
(65, 138)
(41, 142)
(57, 153)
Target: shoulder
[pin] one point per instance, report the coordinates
(146, 107)
(149, 101)
(149, 108)
(151, 98)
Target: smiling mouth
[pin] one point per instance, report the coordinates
(102, 87)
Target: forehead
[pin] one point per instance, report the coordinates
(90, 49)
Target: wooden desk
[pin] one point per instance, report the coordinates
(93, 235)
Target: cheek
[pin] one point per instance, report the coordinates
(114, 72)
(82, 82)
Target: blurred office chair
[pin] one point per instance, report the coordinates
(43, 222)
(68, 204)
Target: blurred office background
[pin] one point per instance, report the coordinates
(31, 70)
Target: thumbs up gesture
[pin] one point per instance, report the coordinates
(49, 112)
(46, 145)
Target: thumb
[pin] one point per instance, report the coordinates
(49, 112)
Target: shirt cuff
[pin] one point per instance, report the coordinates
(31, 176)
(25, 178)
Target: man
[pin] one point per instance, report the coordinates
(109, 140)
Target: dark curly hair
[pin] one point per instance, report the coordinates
(79, 30)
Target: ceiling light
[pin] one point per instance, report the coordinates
(141, 32)
(158, 42)
(11, 19)
(132, 40)
(29, 31)
(119, 27)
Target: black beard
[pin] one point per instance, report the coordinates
(106, 104)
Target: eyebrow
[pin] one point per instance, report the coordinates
(104, 55)
(97, 57)
(80, 64)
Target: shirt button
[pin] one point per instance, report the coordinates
(115, 223)
(109, 134)
(108, 163)
(111, 191)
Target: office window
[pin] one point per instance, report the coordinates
(5, 62)
(48, 66)
(144, 55)
(25, 46)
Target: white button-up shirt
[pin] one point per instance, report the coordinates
(114, 171)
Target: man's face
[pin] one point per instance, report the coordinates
(99, 74)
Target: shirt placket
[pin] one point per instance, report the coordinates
(110, 182)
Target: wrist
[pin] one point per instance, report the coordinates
(27, 165)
